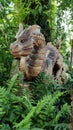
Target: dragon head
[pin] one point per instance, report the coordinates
(23, 44)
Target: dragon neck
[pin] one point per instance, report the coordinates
(32, 66)
(23, 65)
(36, 60)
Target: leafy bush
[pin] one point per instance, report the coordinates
(37, 12)
(7, 29)
(37, 108)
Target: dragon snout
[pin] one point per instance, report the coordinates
(14, 47)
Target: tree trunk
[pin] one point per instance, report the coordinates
(72, 86)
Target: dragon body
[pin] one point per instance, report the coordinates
(34, 55)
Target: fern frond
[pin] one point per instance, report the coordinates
(3, 100)
(62, 126)
(36, 110)
(27, 121)
(12, 82)
(65, 110)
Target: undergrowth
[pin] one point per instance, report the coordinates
(44, 106)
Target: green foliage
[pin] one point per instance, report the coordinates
(37, 12)
(40, 112)
(6, 37)
(13, 101)
(19, 109)
(42, 82)
(64, 25)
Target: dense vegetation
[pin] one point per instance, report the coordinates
(46, 105)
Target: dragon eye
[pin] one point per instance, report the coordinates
(23, 40)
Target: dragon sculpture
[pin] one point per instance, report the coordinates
(35, 56)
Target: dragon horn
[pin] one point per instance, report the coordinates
(19, 30)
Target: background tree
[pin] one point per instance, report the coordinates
(64, 25)
(37, 12)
